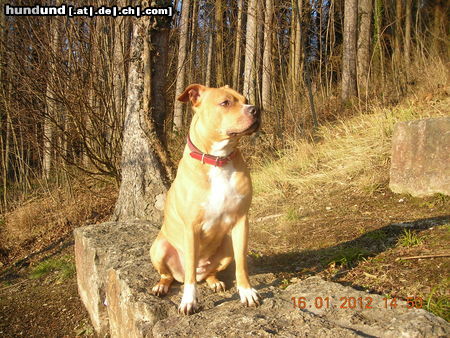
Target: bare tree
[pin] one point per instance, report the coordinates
(250, 48)
(159, 55)
(237, 47)
(220, 81)
(398, 29)
(143, 186)
(50, 100)
(363, 51)
(349, 52)
(408, 18)
(267, 57)
(209, 58)
(181, 68)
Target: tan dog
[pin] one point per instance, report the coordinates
(205, 214)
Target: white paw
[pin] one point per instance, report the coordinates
(188, 303)
(249, 296)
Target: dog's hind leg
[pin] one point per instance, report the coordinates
(167, 262)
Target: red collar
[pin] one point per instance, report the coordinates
(217, 161)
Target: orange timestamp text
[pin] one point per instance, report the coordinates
(354, 303)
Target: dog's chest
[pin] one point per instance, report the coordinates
(223, 200)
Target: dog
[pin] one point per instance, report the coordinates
(206, 210)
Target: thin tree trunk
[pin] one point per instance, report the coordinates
(237, 48)
(250, 48)
(378, 50)
(398, 30)
(295, 48)
(181, 68)
(50, 101)
(259, 51)
(193, 44)
(118, 72)
(5, 95)
(408, 19)
(291, 66)
(298, 42)
(439, 14)
(363, 52)
(267, 57)
(349, 53)
(142, 190)
(209, 60)
(219, 43)
(159, 55)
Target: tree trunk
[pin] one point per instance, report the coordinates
(250, 48)
(181, 68)
(259, 51)
(142, 190)
(378, 35)
(408, 19)
(438, 29)
(51, 114)
(220, 81)
(159, 55)
(209, 60)
(398, 30)
(349, 53)
(363, 52)
(118, 71)
(298, 42)
(5, 95)
(237, 47)
(193, 44)
(267, 57)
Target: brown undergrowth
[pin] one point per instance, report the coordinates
(49, 218)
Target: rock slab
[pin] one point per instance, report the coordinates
(420, 163)
(115, 276)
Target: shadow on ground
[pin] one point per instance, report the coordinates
(346, 254)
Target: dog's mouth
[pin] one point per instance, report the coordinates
(247, 131)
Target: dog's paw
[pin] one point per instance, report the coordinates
(249, 296)
(188, 303)
(160, 289)
(217, 286)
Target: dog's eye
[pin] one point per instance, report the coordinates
(226, 103)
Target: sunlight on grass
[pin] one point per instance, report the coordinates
(292, 214)
(409, 239)
(353, 153)
(347, 257)
(64, 266)
(438, 301)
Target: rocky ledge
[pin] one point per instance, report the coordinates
(115, 276)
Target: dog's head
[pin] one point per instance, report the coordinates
(221, 112)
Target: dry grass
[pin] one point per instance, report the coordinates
(353, 153)
(47, 218)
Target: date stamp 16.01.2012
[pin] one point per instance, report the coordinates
(358, 303)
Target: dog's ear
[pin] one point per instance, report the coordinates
(192, 93)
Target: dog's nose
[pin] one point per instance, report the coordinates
(253, 110)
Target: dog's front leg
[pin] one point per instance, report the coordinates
(239, 235)
(188, 303)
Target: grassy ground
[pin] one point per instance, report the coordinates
(325, 208)
(321, 208)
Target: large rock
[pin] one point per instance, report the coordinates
(420, 162)
(103, 253)
(115, 277)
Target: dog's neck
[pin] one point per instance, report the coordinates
(207, 144)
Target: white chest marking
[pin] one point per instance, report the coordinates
(223, 198)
